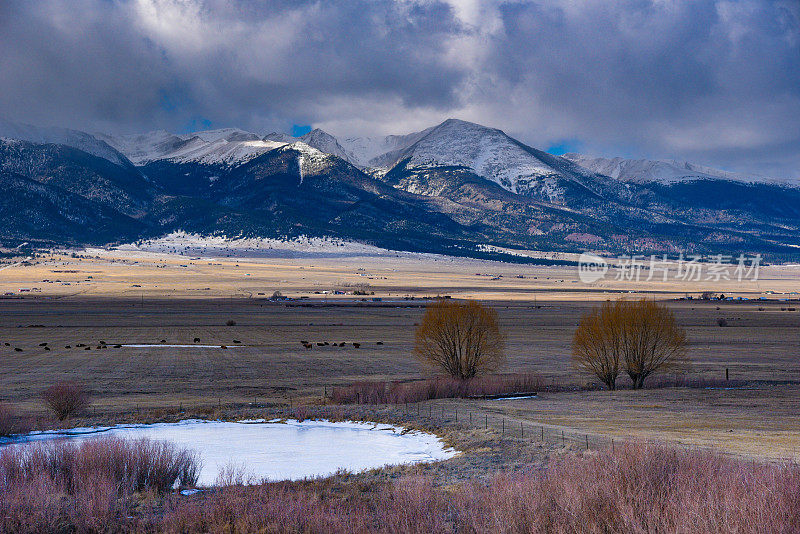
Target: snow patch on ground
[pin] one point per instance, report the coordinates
(216, 246)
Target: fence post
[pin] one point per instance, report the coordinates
(486, 422)
(563, 444)
(456, 414)
(542, 433)
(470, 418)
(504, 427)
(612, 445)
(521, 431)
(587, 441)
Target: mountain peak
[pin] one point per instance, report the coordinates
(325, 142)
(661, 171)
(63, 136)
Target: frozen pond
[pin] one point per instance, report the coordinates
(277, 451)
(164, 345)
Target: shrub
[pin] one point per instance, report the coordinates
(722, 321)
(640, 488)
(63, 486)
(66, 399)
(637, 488)
(8, 420)
(384, 392)
(230, 322)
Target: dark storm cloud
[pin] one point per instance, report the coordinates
(164, 63)
(717, 80)
(713, 81)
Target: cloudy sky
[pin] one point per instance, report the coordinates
(715, 82)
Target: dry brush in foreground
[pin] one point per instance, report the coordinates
(637, 488)
(63, 486)
(389, 392)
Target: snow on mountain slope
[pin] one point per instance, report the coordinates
(142, 148)
(62, 136)
(366, 149)
(226, 146)
(312, 160)
(492, 154)
(280, 137)
(661, 171)
(325, 142)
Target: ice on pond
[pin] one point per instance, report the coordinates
(288, 450)
(164, 345)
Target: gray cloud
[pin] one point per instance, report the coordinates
(716, 82)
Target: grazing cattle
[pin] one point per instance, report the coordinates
(379, 343)
(342, 344)
(67, 346)
(17, 349)
(223, 347)
(356, 345)
(236, 341)
(320, 344)
(197, 340)
(308, 346)
(42, 344)
(46, 347)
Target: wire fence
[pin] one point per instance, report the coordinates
(506, 426)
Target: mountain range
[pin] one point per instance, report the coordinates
(452, 188)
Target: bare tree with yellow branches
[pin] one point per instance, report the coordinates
(638, 337)
(462, 339)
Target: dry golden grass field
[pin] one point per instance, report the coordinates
(158, 299)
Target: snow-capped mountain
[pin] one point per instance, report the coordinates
(491, 154)
(62, 136)
(325, 142)
(226, 146)
(366, 150)
(448, 189)
(661, 171)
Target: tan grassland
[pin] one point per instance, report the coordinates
(132, 297)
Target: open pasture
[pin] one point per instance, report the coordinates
(266, 363)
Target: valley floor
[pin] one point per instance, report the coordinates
(155, 325)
